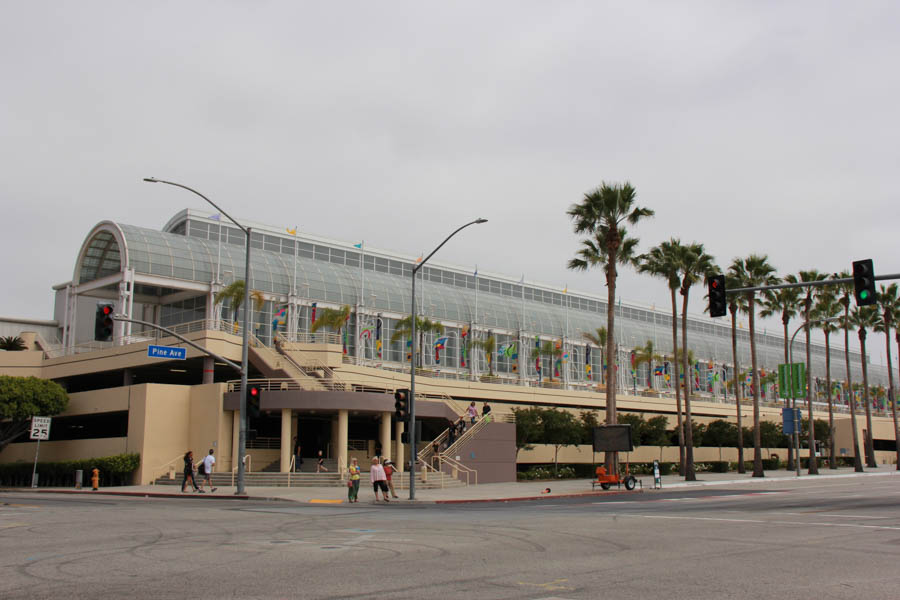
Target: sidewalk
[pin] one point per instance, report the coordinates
(487, 492)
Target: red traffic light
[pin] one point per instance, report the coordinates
(253, 391)
(714, 284)
(107, 309)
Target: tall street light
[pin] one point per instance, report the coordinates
(242, 437)
(412, 366)
(795, 413)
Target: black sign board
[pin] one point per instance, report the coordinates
(613, 438)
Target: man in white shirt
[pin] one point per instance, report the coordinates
(206, 469)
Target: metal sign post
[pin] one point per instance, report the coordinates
(40, 430)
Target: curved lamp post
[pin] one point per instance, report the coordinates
(242, 437)
(412, 366)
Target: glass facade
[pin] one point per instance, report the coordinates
(332, 273)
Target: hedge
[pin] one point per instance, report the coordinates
(114, 470)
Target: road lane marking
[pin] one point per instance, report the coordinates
(550, 586)
(821, 524)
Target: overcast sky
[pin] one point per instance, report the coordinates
(766, 127)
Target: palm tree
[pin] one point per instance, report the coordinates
(603, 214)
(754, 271)
(736, 303)
(647, 354)
(598, 338)
(811, 293)
(889, 303)
(234, 294)
(664, 261)
(695, 265)
(551, 350)
(864, 318)
(846, 291)
(487, 345)
(784, 302)
(12, 343)
(424, 325)
(827, 307)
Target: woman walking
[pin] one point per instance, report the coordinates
(379, 479)
(389, 470)
(320, 464)
(353, 481)
(189, 469)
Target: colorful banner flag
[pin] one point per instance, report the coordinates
(463, 346)
(537, 356)
(439, 344)
(366, 332)
(378, 337)
(587, 362)
(291, 231)
(408, 350)
(279, 319)
(312, 313)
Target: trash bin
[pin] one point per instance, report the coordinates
(79, 478)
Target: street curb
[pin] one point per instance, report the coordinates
(152, 495)
(545, 497)
(792, 479)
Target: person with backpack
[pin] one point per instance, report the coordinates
(206, 468)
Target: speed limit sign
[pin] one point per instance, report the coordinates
(40, 428)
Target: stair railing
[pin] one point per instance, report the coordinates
(467, 435)
(248, 461)
(165, 468)
(455, 464)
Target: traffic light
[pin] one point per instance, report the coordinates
(254, 393)
(401, 404)
(864, 282)
(103, 323)
(717, 303)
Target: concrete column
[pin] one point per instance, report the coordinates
(235, 432)
(386, 434)
(209, 369)
(334, 441)
(398, 447)
(343, 432)
(285, 440)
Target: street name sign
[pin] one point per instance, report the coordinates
(170, 352)
(40, 428)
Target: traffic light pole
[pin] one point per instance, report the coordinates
(806, 284)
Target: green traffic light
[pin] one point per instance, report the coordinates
(864, 294)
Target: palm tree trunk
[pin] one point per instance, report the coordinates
(689, 474)
(611, 457)
(757, 442)
(893, 400)
(857, 462)
(677, 384)
(737, 392)
(870, 449)
(813, 461)
(788, 401)
(832, 464)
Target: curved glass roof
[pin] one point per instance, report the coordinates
(101, 257)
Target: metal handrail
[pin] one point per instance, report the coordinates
(466, 436)
(455, 464)
(164, 468)
(249, 462)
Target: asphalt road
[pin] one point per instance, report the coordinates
(814, 539)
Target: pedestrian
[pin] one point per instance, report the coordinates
(485, 410)
(298, 460)
(189, 469)
(378, 479)
(206, 469)
(378, 450)
(389, 471)
(320, 465)
(472, 412)
(451, 434)
(435, 456)
(353, 481)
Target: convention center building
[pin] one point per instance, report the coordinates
(331, 389)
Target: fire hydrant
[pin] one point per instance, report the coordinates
(95, 479)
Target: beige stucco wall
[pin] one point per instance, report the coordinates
(26, 363)
(68, 450)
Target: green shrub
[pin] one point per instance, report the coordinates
(114, 470)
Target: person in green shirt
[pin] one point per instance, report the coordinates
(353, 481)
